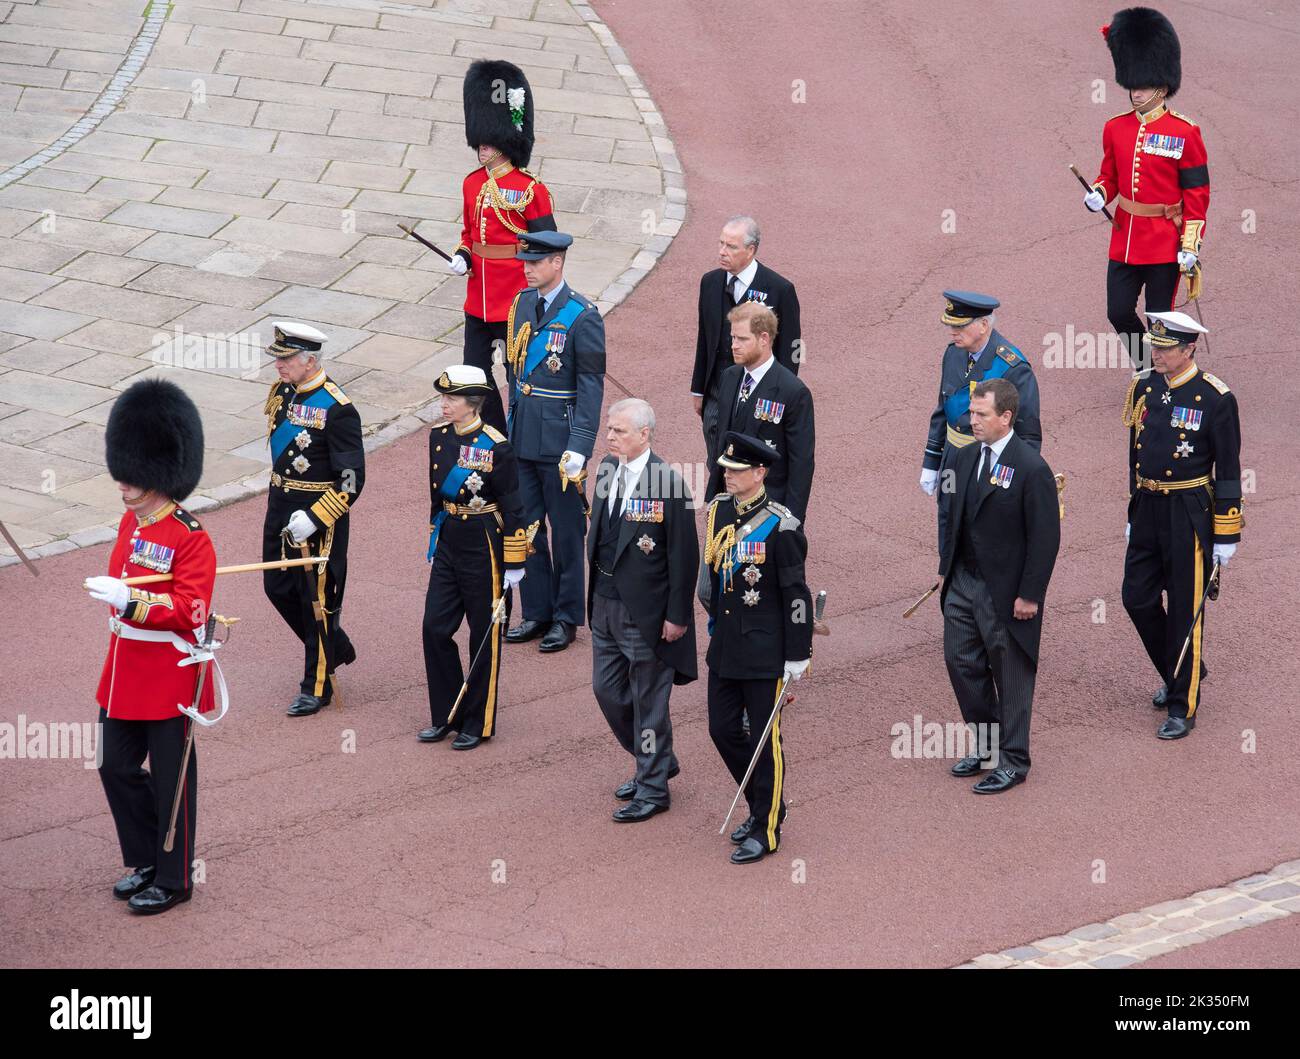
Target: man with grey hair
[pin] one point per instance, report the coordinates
(318, 465)
(740, 278)
(644, 555)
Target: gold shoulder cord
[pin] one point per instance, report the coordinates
(718, 548)
(498, 203)
(1132, 412)
(516, 344)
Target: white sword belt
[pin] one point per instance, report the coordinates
(194, 655)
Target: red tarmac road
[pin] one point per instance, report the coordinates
(387, 855)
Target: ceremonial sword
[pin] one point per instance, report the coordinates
(1211, 592)
(317, 608)
(498, 617)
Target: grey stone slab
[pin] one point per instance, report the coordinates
(418, 321)
(114, 336)
(115, 303)
(43, 358)
(31, 425)
(206, 286)
(169, 218)
(35, 321)
(104, 268)
(20, 284)
(79, 441)
(330, 306)
(176, 249)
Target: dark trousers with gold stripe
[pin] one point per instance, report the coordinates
(728, 702)
(293, 591)
(1167, 553)
(464, 582)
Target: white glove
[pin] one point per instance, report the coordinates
(1223, 552)
(929, 482)
(1128, 526)
(301, 526)
(457, 265)
(573, 463)
(109, 590)
(1186, 260)
(1095, 201)
(794, 670)
(513, 576)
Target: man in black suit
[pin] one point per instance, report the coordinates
(1005, 533)
(644, 555)
(760, 397)
(740, 279)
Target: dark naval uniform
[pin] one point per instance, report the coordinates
(318, 465)
(476, 533)
(1184, 498)
(760, 617)
(556, 371)
(958, 377)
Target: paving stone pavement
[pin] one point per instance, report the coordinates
(174, 178)
(1162, 928)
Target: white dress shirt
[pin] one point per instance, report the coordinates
(625, 479)
(746, 276)
(997, 447)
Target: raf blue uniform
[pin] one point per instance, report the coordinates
(950, 420)
(555, 366)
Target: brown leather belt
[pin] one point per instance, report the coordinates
(1152, 486)
(494, 250)
(465, 509)
(1173, 210)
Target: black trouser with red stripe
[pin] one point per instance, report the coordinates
(728, 701)
(293, 591)
(464, 582)
(1123, 284)
(141, 801)
(1167, 553)
(481, 338)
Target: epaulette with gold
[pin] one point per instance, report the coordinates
(270, 405)
(493, 433)
(1121, 114)
(1008, 354)
(1182, 117)
(1215, 381)
(789, 520)
(186, 519)
(336, 393)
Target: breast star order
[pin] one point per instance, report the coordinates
(752, 574)
(1184, 450)
(303, 439)
(751, 598)
(300, 464)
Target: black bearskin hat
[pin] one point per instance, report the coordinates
(154, 439)
(489, 115)
(1145, 49)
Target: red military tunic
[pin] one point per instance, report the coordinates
(1157, 160)
(141, 679)
(499, 207)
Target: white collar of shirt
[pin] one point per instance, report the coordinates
(548, 298)
(998, 447)
(757, 373)
(629, 472)
(746, 276)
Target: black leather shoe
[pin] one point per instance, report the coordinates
(749, 851)
(1159, 699)
(635, 811)
(742, 832)
(999, 780)
(306, 705)
(1176, 727)
(967, 766)
(133, 882)
(345, 655)
(155, 899)
(558, 637)
(625, 792)
(436, 734)
(526, 630)
(465, 741)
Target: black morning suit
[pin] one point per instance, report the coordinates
(1002, 545)
(789, 481)
(713, 336)
(760, 616)
(643, 563)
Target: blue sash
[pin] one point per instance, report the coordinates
(757, 537)
(280, 438)
(959, 403)
(537, 351)
(451, 487)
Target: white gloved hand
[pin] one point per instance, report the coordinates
(929, 482)
(1128, 527)
(457, 265)
(109, 590)
(573, 463)
(513, 576)
(1095, 201)
(1223, 552)
(1186, 260)
(301, 526)
(795, 670)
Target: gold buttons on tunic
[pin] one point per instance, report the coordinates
(1169, 474)
(1198, 396)
(527, 388)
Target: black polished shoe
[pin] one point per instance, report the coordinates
(155, 899)
(625, 792)
(527, 630)
(635, 811)
(742, 832)
(1176, 727)
(436, 734)
(133, 882)
(999, 780)
(465, 741)
(750, 850)
(967, 766)
(1161, 697)
(558, 637)
(305, 705)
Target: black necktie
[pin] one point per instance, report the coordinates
(613, 511)
(732, 282)
(985, 464)
(541, 309)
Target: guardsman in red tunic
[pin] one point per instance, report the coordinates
(502, 202)
(1154, 166)
(155, 452)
